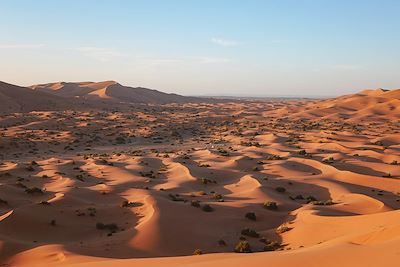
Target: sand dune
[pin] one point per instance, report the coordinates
(299, 182)
(365, 105)
(112, 91)
(20, 99)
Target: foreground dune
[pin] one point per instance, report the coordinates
(298, 182)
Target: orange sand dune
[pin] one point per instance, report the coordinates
(366, 105)
(280, 183)
(110, 90)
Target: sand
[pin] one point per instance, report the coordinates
(157, 183)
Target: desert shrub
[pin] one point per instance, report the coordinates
(92, 211)
(378, 143)
(243, 247)
(280, 189)
(394, 162)
(207, 208)
(218, 197)
(256, 144)
(311, 199)
(222, 243)
(128, 204)
(251, 216)
(149, 174)
(271, 245)
(270, 205)
(175, 197)
(111, 227)
(44, 202)
(80, 177)
(302, 152)
(195, 203)
(282, 228)
(53, 223)
(322, 203)
(388, 175)
(328, 160)
(208, 181)
(250, 232)
(120, 140)
(197, 252)
(34, 190)
(273, 157)
(30, 168)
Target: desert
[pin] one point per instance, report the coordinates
(198, 183)
(171, 133)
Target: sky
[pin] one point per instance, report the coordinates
(205, 47)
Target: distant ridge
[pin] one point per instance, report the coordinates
(15, 98)
(111, 91)
(83, 95)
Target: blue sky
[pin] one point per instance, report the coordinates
(256, 48)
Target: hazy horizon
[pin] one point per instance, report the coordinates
(207, 48)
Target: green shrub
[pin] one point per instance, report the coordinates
(30, 168)
(218, 196)
(271, 245)
(120, 140)
(197, 252)
(251, 216)
(243, 247)
(222, 243)
(280, 189)
(128, 204)
(195, 203)
(207, 208)
(112, 227)
(175, 197)
(92, 211)
(34, 190)
(322, 203)
(274, 157)
(282, 228)
(250, 232)
(311, 199)
(270, 205)
(302, 152)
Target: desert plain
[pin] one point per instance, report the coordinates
(91, 177)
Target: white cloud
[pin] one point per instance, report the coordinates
(99, 53)
(21, 46)
(224, 42)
